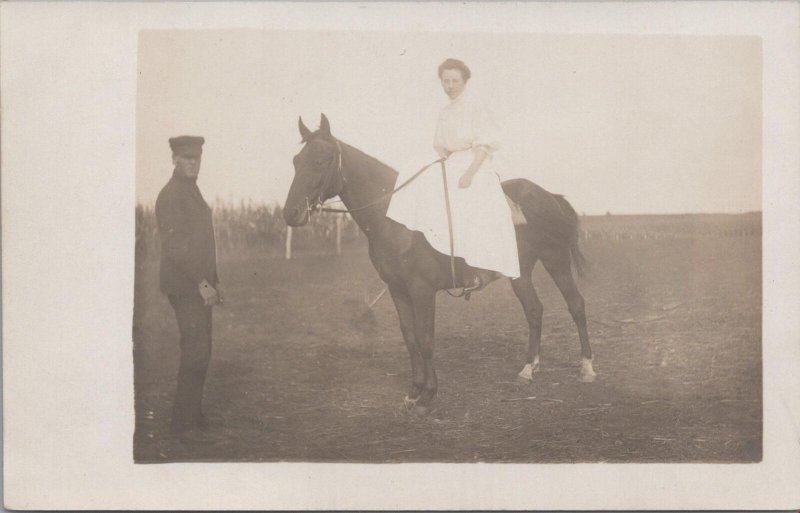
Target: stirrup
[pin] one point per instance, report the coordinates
(466, 292)
(477, 284)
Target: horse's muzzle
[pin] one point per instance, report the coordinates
(296, 216)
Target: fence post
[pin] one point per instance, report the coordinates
(339, 235)
(288, 243)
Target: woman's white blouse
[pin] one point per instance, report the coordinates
(466, 124)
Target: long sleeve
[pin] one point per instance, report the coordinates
(176, 238)
(465, 124)
(439, 141)
(485, 129)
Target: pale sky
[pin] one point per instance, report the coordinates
(626, 124)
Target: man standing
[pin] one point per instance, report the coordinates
(188, 277)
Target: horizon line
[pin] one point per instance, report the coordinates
(273, 204)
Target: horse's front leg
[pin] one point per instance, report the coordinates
(423, 299)
(405, 311)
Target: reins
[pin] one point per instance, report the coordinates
(319, 205)
(386, 196)
(450, 233)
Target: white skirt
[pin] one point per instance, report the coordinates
(483, 231)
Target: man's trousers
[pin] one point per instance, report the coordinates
(194, 324)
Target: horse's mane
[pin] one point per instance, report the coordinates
(360, 154)
(369, 158)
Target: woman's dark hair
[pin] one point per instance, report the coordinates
(455, 64)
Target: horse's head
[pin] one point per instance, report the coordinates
(317, 173)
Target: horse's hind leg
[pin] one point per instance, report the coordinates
(561, 271)
(405, 311)
(526, 293)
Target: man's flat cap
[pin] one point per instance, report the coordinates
(187, 145)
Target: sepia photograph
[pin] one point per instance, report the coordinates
(400, 256)
(447, 247)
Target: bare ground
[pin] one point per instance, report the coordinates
(302, 370)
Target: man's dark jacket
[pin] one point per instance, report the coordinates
(188, 252)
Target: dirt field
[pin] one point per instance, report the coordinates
(299, 373)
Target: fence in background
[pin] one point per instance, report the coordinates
(260, 230)
(635, 227)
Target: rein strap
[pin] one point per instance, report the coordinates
(385, 196)
(449, 225)
(397, 189)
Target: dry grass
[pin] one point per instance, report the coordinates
(301, 371)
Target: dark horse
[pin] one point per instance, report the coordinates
(413, 270)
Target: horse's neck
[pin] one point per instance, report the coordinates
(366, 181)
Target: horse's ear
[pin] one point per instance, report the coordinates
(325, 126)
(304, 131)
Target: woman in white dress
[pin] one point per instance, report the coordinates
(483, 230)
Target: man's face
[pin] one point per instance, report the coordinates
(187, 165)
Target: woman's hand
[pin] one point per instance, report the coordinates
(466, 179)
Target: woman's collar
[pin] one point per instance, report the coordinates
(459, 98)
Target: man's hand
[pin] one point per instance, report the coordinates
(209, 293)
(465, 180)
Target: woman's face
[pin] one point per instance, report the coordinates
(453, 83)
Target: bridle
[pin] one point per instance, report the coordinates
(318, 203)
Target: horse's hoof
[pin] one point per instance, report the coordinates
(526, 374)
(587, 371)
(420, 411)
(409, 403)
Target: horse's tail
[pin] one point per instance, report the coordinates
(579, 261)
(550, 216)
